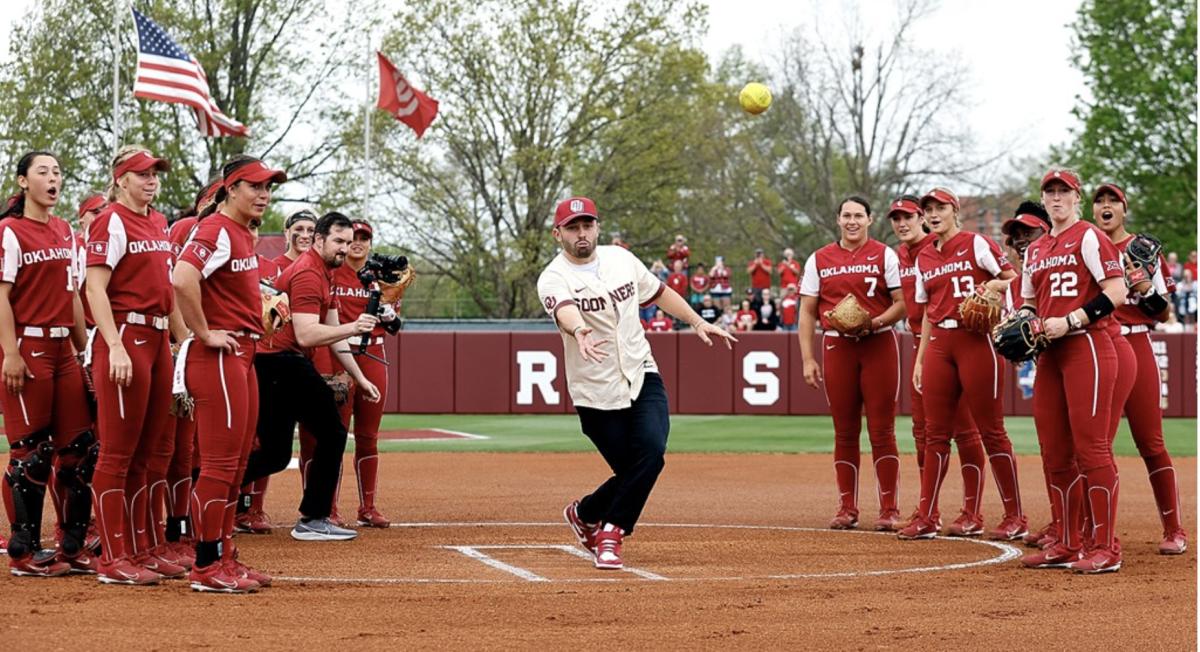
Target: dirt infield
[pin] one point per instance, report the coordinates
(786, 584)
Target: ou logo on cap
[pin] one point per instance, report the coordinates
(576, 205)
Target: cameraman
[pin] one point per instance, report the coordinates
(291, 390)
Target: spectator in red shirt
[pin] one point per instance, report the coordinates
(788, 317)
(700, 284)
(679, 251)
(789, 268)
(1191, 264)
(760, 272)
(722, 288)
(746, 317)
(678, 280)
(661, 323)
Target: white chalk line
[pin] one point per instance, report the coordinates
(1007, 553)
(570, 550)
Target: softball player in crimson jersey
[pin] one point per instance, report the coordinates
(46, 413)
(1146, 305)
(906, 220)
(129, 289)
(592, 293)
(954, 365)
(1074, 280)
(858, 371)
(217, 283)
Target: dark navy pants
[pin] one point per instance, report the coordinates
(632, 441)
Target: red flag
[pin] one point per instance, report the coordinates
(405, 103)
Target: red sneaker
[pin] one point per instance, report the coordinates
(43, 563)
(1099, 560)
(919, 529)
(1049, 538)
(254, 521)
(888, 521)
(1055, 556)
(221, 577)
(845, 520)
(336, 518)
(158, 565)
(1173, 543)
(1032, 537)
(168, 553)
(186, 552)
(82, 564)
(1010, 529)
(608, 547)
(371, 517)
(262, 578)
(124, 571)
(585, 533)
(966, 525)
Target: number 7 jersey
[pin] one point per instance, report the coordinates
(870, 273)
(1063, 272)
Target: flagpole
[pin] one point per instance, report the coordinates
(116, 92)
(367, 137)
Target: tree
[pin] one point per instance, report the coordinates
(875, 117)
(532, 94)
(271, 64)
(1139, 125)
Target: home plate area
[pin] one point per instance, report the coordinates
(536, 552)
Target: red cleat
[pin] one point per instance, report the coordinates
(124, 571)
(845, 520)
(1011, 528)
(585, 533)
(371, 517)
(159, 565)
(1055, 556)
(888, 521)
(1099, 560)
(966, 525)
(254, 521)
(1173, 543)
(221, 577)
(82, 564)
(608, 547)
(1032, 537)
(919, 529)
(43, 563)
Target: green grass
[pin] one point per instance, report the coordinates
(708, 434)
(713, 434)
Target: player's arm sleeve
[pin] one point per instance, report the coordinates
(554, 293)
(989, 257)
(304, 293)
(107, 241)
(10, 262)
(1160, 282)
(648, 286)
(920, 296)
(810, 283)
(1026, 279)
(206, 252)
(891, 269)
(1100, 256)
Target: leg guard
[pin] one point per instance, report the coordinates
(27, 478)
(78, 463)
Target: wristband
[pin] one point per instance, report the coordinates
(576, 330)
(1152, 305)
(1098, 308)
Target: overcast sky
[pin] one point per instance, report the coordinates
(1014, 50)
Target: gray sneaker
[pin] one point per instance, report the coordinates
(321, 529)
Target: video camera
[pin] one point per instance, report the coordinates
(386, 269)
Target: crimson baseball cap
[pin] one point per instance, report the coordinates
(92, 203)
(364, 227)
(255, 172)
(941, 195)
(140, 161)
(1066, 176)
(1024, 219)
(575, 207)
(904, 205)
(1114, 189)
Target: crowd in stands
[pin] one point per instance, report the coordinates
(772, 300)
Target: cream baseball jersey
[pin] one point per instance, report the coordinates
(908, 280)
(608, 292)
(870, 273)
(39, 260)
(223, 251)
(135, 247)
(1063, 272)
(950, 274)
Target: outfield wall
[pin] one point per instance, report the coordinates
(522, 372)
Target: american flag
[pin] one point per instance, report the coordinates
(168, 74)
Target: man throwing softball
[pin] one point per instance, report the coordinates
(593, 294)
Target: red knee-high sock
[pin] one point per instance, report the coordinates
(972, 461)
(137, 496)
(367, 471)
(937, 462)
(1102, 485)
(845, 467)
(1066, 488)
(228, 519)
(108, 501)
(258, 493)
(887, 479)
(208, 508)
(1166, 490)
(1004, 469)
(180, 494)
(159, 499)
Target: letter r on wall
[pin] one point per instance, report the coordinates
(536, 369)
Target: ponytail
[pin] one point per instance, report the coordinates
(222, 193)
